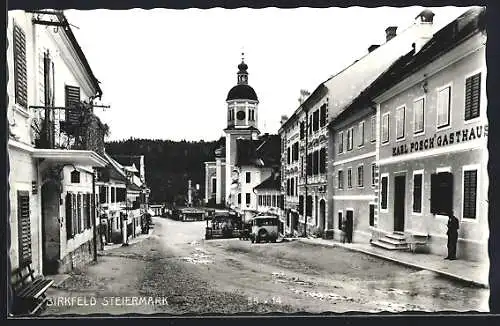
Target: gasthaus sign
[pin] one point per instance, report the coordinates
(455, 137)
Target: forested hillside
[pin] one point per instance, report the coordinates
(169, 164)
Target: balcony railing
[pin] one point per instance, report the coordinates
(77, 128)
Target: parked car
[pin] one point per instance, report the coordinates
(264, 228)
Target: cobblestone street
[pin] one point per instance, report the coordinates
(233, 276)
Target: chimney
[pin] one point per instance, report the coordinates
(284, 118)
(372, 47)
(424, 30)
(390, 32)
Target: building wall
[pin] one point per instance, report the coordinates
(72, 255)
(21, 175)
(210, 172)
(434, 151)
(355, 198)
(257, 176)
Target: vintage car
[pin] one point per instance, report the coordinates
(223, 225)
(264, 228)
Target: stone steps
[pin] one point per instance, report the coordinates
(392, 241)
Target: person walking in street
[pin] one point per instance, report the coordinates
(102, 232)
(452, 234)
(344, 230)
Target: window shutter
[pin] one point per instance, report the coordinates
(470, 194)
(323, 115)
(89, 210)
(417, 193)
(69, 216)
(24, 226)
(72, 99)
(20, 70)
(383, 202)
(102, 194)
(302, 130)
(434, 193)
(472, 96)
(79, 212)
(74, 214)
(322, 160)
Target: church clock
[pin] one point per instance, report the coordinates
(240, 115)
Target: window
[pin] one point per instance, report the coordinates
(417, 192)
(113, 194)
(259, 198)
(309, 164)
(385, 128)
(103, 194)
(339, 221)
(322, 161)
(372, 215)
(315, 162)
(441, 193)
(292, 186)
(296, 186)
(268, 200)
(316, 120)
(383, 192)
(418, 116)
(374, 173)
(400, 122)
(470, 194)
(472, 96)
(309, 204)
(443, 107)
(341, 142)
(248, 177)
(20, 70)
(288, 155)
(373, 131)
(340, 179)
(360, 176)
(75, 176)
(322, 118)
(361, 129)
(349, 178)
(310, 125)
(121, 195)
(295, 151)
(72, 99)
(288, 187)
(239, 198)
(247, 198)
(214, 185)
(274, 201)
(302, 130)
(301, 205)
(350, 134)
(24, 226)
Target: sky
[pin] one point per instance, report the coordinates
(166, 73)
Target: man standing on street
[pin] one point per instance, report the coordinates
(452, 236)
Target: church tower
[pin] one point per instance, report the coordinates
(242, 120)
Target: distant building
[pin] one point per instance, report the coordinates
(243, 159)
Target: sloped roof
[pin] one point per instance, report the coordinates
(128, 160)
(450, 36)
(117, 168)
(262, 152)
(271, 183)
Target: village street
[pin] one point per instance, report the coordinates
(233, 276)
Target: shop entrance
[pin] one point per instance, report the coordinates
(399, 203)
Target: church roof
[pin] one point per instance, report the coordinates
(264, 152)
(242, 92)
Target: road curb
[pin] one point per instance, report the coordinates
(449, 275)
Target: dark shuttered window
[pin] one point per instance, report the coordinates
(102, 194)
(441, 193)
(247, 198)
(302, 130)
(383, 193)
(417, 193)
(372, 215)
(79, 213)
(239, 198)
(322, 118)
(316, 120)
(24, 226)
(309, 205)
(472, 96)
(322, 160)
(69, 216)
(339, 221)
(315, 162)
(20, 70)
(309, 164)
(470, 193)
(72, 98)
(75, 176)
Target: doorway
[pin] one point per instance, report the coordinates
(349, 225)
(50, 227)
(322, 214)
(399, 203)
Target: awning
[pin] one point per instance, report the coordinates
(76, 157)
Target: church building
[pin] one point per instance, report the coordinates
(244, 158)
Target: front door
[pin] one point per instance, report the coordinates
(399, 203)
(51, 228)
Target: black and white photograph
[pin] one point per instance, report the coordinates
(247, 161)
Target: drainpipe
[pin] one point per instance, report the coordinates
(94, 217)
